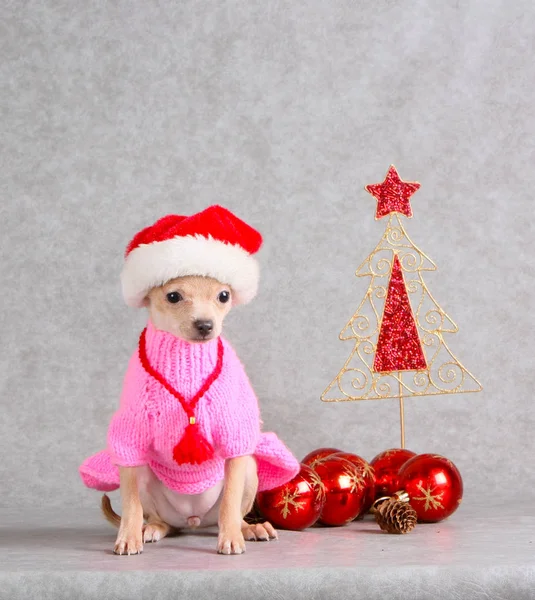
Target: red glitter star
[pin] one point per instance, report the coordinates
(393, 194)
(398, 345)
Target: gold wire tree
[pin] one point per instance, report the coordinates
(398, 327)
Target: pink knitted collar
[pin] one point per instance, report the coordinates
(164, 347)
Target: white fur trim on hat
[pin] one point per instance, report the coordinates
(152, 265)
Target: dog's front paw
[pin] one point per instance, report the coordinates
(129, 541)
(231, 542)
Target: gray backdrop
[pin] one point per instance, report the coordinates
(116, 113)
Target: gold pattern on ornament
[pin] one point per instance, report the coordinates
(317, 484)
(316, 462)
(368, 471)
(444, 374)
(289, 500)
(354, 479)
(431, 501)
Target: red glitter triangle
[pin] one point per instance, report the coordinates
(398, 346)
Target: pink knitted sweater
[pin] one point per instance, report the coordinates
(150, 421)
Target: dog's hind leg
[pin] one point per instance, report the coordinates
(155, 530)
(254, 531)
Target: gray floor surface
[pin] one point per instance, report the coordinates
(480, 552)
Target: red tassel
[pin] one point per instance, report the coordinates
(193, 448)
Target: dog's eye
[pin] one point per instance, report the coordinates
(224, 297)
(174, 297)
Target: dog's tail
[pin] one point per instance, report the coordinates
(109, 514)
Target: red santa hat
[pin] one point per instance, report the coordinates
(213, 243)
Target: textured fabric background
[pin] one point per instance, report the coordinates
(116, 113)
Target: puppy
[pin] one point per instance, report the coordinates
(185, 446)
(191, 308)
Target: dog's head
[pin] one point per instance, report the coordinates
(192, 308)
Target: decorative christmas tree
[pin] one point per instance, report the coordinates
(398, 327)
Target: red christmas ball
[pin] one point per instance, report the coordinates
(366, 471)
(434, 485)
(314, 457)
(386, 466)
(296, 504)
(345, 491)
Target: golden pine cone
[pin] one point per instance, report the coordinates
(394, 516)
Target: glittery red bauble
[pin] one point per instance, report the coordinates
(314, 457)
(345, 491)
(386, 466)
(296, 504)
(365, 470)
(398, 346)
(434, 485)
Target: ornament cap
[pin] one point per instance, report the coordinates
(400, 496)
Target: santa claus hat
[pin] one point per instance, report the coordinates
(213, 243)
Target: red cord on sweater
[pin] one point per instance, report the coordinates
(193, 448)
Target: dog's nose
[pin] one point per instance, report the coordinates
(204, 326)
